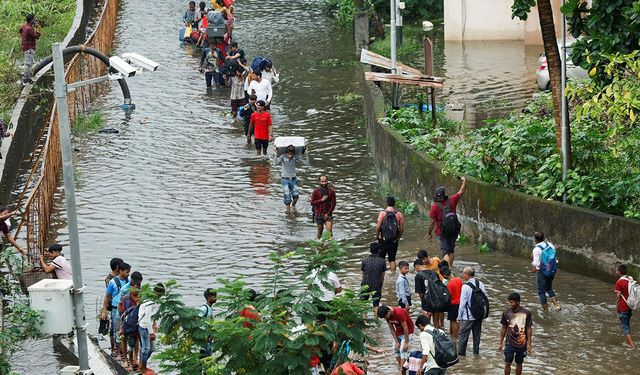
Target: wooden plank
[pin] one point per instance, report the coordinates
(422, 81)
(371, 58)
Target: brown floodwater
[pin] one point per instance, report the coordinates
(179, 195)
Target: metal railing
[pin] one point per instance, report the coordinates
(42, 183)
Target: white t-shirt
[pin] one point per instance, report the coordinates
(262, 88)
(63, 268)
(537, 252)
(332, 279)
(145, 313)
(428, 348)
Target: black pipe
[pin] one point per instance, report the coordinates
(94, 52)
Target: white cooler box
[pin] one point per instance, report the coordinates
(281, 144)
(52, 297)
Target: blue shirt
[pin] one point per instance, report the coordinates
(465, 298)
(115, 292)
(402, 289)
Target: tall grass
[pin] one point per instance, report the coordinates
(55, 17)
(86, 123)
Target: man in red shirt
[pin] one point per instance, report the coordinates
(260, 127)
(447, 244)
(323, 201)
(401, 327)
(623, 310)
(454, 284)
(30, 33)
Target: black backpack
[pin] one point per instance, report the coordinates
(450, 224)
(130, 320)
(445, 353)
(390, 226)
(437, 296)
(479, 308)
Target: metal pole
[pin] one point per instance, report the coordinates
(399, 23)
(563, 105)
(394, 68)
(60, 88)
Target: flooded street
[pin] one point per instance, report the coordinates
(179, 195)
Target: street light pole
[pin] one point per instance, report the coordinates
(563, 106)
(64, 125)
(394, 67)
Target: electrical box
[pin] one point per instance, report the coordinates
(53, 299)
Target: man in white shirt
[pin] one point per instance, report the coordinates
(261, 88)
(59, 265)
(148, 327)
(270, 74)
(544, 283)
(330, 278)
(428, 365)
(468, 323)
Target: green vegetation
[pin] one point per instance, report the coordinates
(484, 248)
(411, 42)
(85, 123)
(348, 98)
(462, 239)
(55, 17)
(284, 338)
(20, 321)
(519, 152)
(415, 10)
(407, 207)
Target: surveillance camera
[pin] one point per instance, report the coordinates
(122, 66)
(141, 61)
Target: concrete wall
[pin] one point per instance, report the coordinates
(589, 242)
(32, 108)
(491, 20)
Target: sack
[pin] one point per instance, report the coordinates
(450, 224)
(130, 320)
(633, 301)
(479, 302)
(548, 261)
(445, 352)
(104, 327)
(258, 63)
(437, 296)
(215, 18)
(390, 227)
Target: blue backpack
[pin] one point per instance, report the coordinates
(548, 262)
(130, 320)
(258, 63)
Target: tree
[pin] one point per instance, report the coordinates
(286, 336)
(520, 10)
(606, 28)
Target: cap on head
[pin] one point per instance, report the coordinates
(55, 248)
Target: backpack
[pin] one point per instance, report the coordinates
(437, 296)
(633, 300)
(258, 63)
(548, 263)
(444, 353)
(125, 303)
(390, 226)
(130, 320)
(479, 302)
(229, 68)
(450, 224)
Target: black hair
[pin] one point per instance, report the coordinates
(261, 103)
(403, 263)
(135, 275)
(253, 97)
(30, 17)
(514, 297)
(125, 266)
(202, 5)
(192, 3)
(135, 282)
(374, 248)
(442, 264)
(445, 271)
(258, 74)
(210, 292)
(622, 269)
(422, 253)
(383, 311)
(159, 288)
(422, 320)
(233, 44)
(418, 262)
(252, 295)
(115, 263)
(268, 64)
(290, 148)
(539, 236)
(391, 201)
(55, 247)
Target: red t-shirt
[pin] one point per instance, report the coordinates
(436, 213)
(251, 314)
(261, 123)
(455, 289)
(622, 286)
(399, 316)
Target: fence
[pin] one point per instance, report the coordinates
(42, 182)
